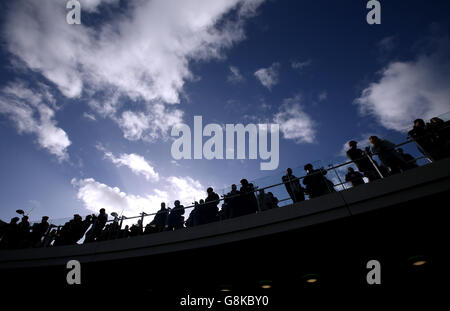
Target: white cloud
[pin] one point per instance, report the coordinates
(186, 189)
(294, 123)
(151, 125)
(95, 195)
(92, 5)
(235, 76)
(135, 162)
(89, 116)
(268, 76)
(22, 105)
(143, 53)
(410, 90)
(300, 65)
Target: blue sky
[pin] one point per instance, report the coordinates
(86, 110)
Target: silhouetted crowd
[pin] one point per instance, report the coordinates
(432, 140)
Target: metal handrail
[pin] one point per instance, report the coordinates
(257, 189)
(408, 141)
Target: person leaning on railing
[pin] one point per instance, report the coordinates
(159, 221)
(247, 203)
(362, 162)
(293, 187)
(432, 139)
(385, 150)
(315, 181)
(176, 219)
(354, 177)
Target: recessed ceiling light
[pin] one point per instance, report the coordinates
(311, 278)
(419, 263)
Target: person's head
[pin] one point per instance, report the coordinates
(176, 203)
(14, 220)
(76, 217)
(209, 190)
(350, 169)
(25, 218)
(400, 150)
(102, 211)
(436, 120)
(233, 187)
(289, 171)
(308, 167)
(201, 201)
(244, 182)
(373, 140)
(44, 218)
(163, 206)
(352, 144)
(88, 217)
(419, 123)
(270, 194)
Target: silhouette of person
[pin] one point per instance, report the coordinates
(125, 232)
(441, 134)
(273, 199)
(267, 200)
(191, 219)
(361, 161)
(136, 229)
(65, 234)
(24, 232)
(77, 229)
(38, 230)
(247, 200)
(231, 203)
(87, 222)
(49, 238)
(208, 211)
(196, 214)
(293, 187)
(431, 139)
(315, 182)
(11, 236)
(98, 223)
(176, 219)
(160, 219)
(387, 154)
(149, 228)
(354, 177)
(409, 159)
